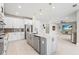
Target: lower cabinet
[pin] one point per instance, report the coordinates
(43, 46)
(38, 43)
(1, 46)
(31, 40)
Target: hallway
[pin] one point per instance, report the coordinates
(20, 47)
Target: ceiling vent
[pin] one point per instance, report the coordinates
(74, 5)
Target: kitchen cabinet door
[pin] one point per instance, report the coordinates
(1, 46)
(43, 46)
(31, 40)
(36, 43)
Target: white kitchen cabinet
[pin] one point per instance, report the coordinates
(13, 36)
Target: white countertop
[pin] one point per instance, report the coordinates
(42, 35)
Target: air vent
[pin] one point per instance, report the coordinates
(74, 5)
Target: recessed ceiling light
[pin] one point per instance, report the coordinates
(33, 16)
(53, 7)
(41, 14)
(19, 7)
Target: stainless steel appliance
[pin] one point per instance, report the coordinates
(28, 29)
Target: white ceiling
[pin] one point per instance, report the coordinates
(33, 9)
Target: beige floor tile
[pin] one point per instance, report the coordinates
(20, 47)
(65, 47)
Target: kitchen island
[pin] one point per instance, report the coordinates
(44, 44)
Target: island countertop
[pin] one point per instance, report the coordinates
(42, 35)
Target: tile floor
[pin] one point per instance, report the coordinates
(65, 47)
(20, 47)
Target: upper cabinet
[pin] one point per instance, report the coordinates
(1, 11)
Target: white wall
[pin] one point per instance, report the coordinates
(69, 18)
(27, 21)
(72, 16)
